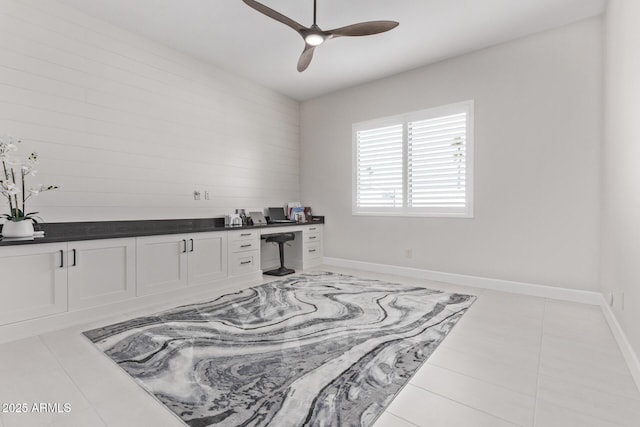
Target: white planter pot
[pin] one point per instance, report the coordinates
(17, 228)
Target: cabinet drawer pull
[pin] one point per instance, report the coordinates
(192, 246)
(245, 234)
(311, 250)
(74, 257)
(312, 229)
(313, 237)
(245, 262)
(246, 246)
(61, 259)
(184, 246)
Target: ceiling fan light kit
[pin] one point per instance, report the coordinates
(314, 36)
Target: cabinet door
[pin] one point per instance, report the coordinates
(207, 257)
(33, 281)
(101, 272)
(161, 263)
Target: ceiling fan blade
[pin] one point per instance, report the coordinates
(274, 15)
(364, 29)
(305, 58)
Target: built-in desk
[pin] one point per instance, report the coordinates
(82, 270)
(303, 252)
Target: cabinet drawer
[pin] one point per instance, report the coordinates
(312, 237)
(312, 250)
(243, 262)
(313, 229)
(243, 245)
(241, 235)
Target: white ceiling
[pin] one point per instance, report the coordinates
(229, 34)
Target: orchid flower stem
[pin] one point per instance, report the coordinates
(6, 174)
(13, 176)
(24, 207)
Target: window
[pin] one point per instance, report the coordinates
(416, 164)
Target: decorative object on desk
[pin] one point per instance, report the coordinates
(243, 216)
(296, 214)
(13, 186)
(233, 220)
(312, 349)
(290, 207)
(308, 215)
(258, 218)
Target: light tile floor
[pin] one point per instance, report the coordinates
(511, 361)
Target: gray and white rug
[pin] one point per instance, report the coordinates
(317, 349)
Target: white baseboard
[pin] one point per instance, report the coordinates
(564, 294)
(629, 354)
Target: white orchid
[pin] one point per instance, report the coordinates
(27, 169)
(13, 189)
(8, 144)
(13, 183)
(9, 189)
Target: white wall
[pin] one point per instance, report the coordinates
(538, 122)
(129, 129)
(621, 166)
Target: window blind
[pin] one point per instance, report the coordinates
(415, 164)
(437, 162)
(380, 159)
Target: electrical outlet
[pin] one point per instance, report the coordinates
(617, 301)
(408, 253)
(207, 196)
(196, 195)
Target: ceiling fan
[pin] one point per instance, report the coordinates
(314, 36)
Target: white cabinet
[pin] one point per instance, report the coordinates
(207, 257)
(101, 272)
(161, 263)
(33, 281)
(312, 246)
(170, 262)
(45, 279)
(244, 249)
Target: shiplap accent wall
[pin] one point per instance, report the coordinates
(129, 128)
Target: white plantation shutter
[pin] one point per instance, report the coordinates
(380, 158)
(437, 162)
(416, 164)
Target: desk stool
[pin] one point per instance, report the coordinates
(280, 239)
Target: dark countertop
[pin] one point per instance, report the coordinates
(75, 231)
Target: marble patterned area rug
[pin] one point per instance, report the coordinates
(316, 349)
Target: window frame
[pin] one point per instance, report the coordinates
(404, 119)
